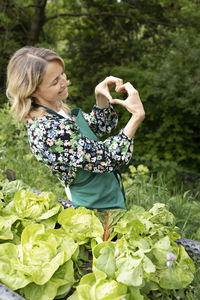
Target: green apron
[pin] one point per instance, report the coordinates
(93, 190)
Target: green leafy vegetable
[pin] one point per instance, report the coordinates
(180, 274)
(41, 207)
(9, 188)
(109, 219)
(39, 260)
(105, 258)
(43, 251)
(13, 278)
(81, 224)
(28, 208)
(98, 287)
(57, 287)
(6, 232)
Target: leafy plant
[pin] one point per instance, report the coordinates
(138, 259)
(47, 262)
(144, 189)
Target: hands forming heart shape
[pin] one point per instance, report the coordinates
(104, 87)
(132, 103)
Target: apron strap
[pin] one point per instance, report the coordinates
(48, 110)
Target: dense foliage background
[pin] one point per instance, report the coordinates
(153, 44)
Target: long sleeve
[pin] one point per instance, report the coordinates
(102, 120)
(58, 144)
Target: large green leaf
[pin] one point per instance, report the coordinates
(180, 274)
(105, 258)
(6, 222)
(43, 251)
(159, 214)
(160, 249)
(130, 224)
(9, 275)
(91, 288)
(81, 224)
(130, 271)
(57, 287)
(41, 207)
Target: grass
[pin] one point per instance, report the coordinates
(145, 190)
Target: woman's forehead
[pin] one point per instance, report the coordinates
(52, 71)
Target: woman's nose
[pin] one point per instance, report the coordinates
(64, 81)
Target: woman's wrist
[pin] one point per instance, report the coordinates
(139, 117)
(132, 125)
(102, 101)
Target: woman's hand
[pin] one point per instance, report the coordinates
(102, 90)
(132, 103)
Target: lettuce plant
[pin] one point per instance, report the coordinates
(27, 208)
(41, 262)
(37, 259)
(137, 259)
(81, 224)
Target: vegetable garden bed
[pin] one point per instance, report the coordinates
(51, 252)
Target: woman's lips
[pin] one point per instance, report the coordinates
(63, 91)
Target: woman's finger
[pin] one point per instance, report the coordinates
(120, 89)
(111, 81)
(126, 88)
(117, 101)
(107, 95)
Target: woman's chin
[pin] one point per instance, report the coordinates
(64, 95)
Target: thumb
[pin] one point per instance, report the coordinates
(105, 93)
(108, 95)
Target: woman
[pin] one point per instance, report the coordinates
(66, 141)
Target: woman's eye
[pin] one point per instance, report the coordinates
(55, 82)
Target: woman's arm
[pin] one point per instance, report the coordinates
(132, 126)
(103, 119)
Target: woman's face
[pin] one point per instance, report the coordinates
(54, 85)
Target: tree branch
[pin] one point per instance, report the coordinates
(109, 15)
(38, 21)
(40, 4)
(85, 15)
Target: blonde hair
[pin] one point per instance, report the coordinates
(25, 72)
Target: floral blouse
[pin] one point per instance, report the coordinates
(58, 143)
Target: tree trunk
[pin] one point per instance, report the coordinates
(37, 21)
